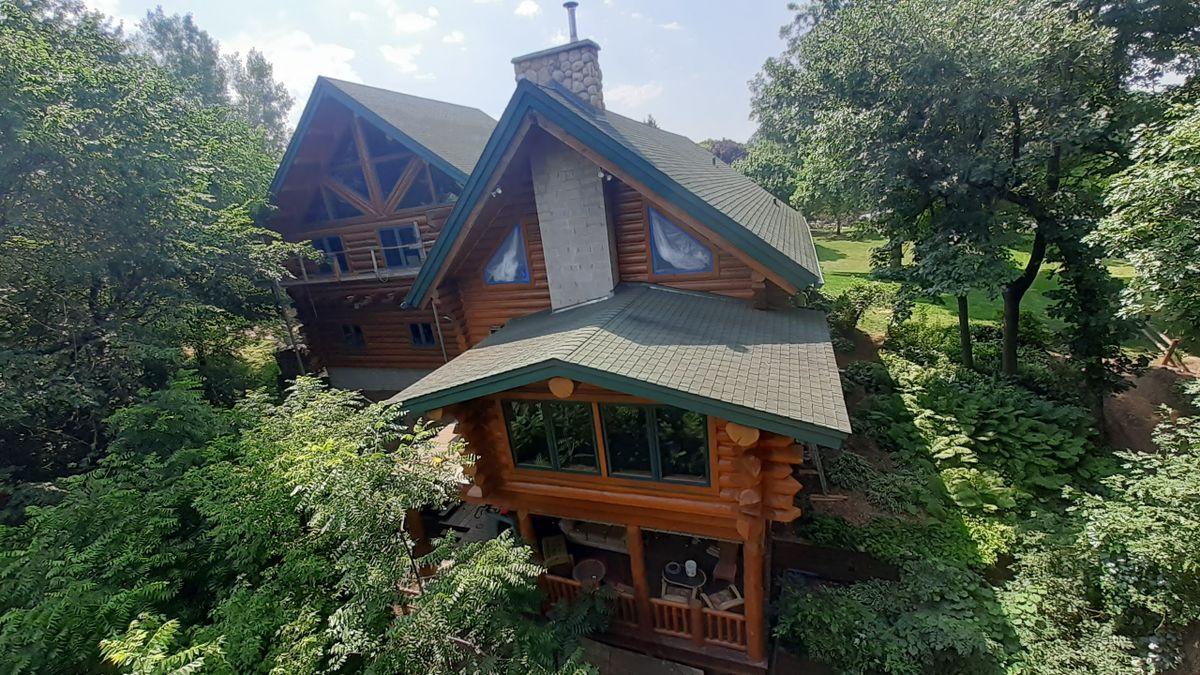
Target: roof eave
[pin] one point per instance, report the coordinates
(522, 101)
(325, 89)
(543, 370)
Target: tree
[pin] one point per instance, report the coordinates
(258, 98)
(1154, 221)
(726, 150)
(962, 107)
(650, 121)
(126, 214)
(771, 165)
(186, 51)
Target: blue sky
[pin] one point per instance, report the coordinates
(687, 63)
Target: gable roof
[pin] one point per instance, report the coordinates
(715, 355)
(671, 165)
(448, 136)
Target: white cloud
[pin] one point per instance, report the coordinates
(454, 37)
(404, 21)
(559, 37)
(112, 8)
(633, 95)
(403, 58)
(673, 25)
(635, 15)
(298, 59)
(433, 12)
(360, 17)
(528, 8)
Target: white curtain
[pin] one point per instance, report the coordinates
(508, 264)
(677, 248)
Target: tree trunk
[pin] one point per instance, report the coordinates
(1012, 300)
(837, 225)
(964, 333)
(896, 259)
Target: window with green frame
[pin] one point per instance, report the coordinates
(660, 443)
(554, 435)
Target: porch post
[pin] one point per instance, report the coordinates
(637, 565)
(752, 574)
(525, 525)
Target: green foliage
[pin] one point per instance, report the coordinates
(127, 224)
(936, 618)
(903, 490)
(145, 649)
(771, 166)
(1155, 220)
(872, 376)
(898, 540)
(846, 309)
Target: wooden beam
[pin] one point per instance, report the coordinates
(641, 587)
(525, 524)
(742, 435)
(406, 181)
(347, 194)
(561, 387)
(374, 190)
(752, 575)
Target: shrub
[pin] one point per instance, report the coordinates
(872, 376)
(847, 308)
(936, 618)
(897, 541)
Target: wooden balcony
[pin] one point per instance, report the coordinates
(701, 626)
(353, 264)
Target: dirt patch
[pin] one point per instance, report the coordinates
(1130, 417)
(866, 348)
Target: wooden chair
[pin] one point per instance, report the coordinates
(677, 594)
(725, 599)
(554, 553)
(727, 563)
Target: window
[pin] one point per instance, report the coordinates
(332, 248)
(552, 435)
(422, 334)
(401, 246)
(674, 251)
(508, 264)
(352, 337)
(655, 443)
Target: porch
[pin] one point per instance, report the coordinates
(713, 618)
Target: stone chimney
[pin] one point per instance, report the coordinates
(576, 65)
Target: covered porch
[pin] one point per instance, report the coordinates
(717, 613)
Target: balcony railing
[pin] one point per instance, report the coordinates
(355, 264)
(701, 625)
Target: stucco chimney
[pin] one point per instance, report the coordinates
(576, 65)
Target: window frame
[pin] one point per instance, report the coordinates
(651, 431)
(551, 440)
(354, 338)
(714, 269)
(418, 247)
(519, 229)
(412, 335)
(328, 255)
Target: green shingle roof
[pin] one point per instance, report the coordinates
(456, 133)
(771, 369)
(693, 168)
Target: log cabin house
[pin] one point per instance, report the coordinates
(602, 308)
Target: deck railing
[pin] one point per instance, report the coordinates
(360, 263)
(559, 588)
(701, 625)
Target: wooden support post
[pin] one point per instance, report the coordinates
(697, 621)
(525, 524)
(641, 588)
(752, 575)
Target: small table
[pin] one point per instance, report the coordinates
(681, 578)
(589, 572)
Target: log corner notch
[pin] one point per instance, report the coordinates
(754, 470)
(472, 423)
(561, 387)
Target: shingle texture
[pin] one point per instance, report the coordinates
(455, 133)
(693, 168)
(776, 362)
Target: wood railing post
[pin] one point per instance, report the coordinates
(637, 565)
(752, 558)
(697, 621)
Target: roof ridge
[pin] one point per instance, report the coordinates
(335, 81)
(615, 315)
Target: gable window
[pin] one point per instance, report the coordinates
(554, 435)
(421, 334)
(674, 251)
(352, 336)
(508, 264)
(659, 443)
(401, 246)
(335, 254)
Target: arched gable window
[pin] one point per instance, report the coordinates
(508, 264)
(674, 251)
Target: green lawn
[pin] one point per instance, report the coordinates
(846, 259)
